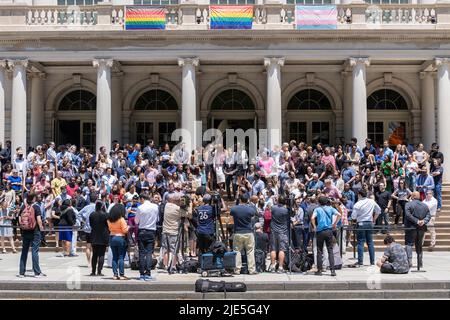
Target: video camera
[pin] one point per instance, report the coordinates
(215, 198)
(185, 200)
(290, 203)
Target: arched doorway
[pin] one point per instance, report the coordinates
(310, 117)
(232, 109)
(76, 119)
(388, 117)
(155, 117)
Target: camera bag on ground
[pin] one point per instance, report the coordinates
(134, 263)
(212, 261)
(205, 285)
(190, 265)
(260, 260)
(337, 257)
(301, 261)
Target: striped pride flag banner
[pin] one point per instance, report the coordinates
(316, 17)
(145, 17)
(231, 17)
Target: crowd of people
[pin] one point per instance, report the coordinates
(293, 195)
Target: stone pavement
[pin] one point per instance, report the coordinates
(436, 265)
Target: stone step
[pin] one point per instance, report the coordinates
(250, 295)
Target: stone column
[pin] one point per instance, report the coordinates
(188, 101)
(359, 98)
(3, 66)
(443, 110)
(428, 109)
(116, 107)
(37, 109)
(19, 105)
(273, 109)
(348, 92)
(103, 114)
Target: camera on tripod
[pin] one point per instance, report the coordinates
(215, 198)
(185, 200)
(290, 201)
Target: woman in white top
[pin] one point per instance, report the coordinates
(411, 168)
(420, 156)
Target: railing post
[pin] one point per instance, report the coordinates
(104, 11)
(442, 10)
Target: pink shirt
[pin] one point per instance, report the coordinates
(266, 166)
(329, 159)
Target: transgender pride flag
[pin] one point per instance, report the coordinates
(315, 17)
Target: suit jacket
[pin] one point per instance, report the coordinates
(414, 211)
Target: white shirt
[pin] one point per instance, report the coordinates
(129, 196)
(147, 215)
(432, 205)
(363, 210)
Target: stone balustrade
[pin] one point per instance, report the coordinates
(196, 17)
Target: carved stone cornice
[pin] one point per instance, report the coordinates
(18, 63)
(354, 61)
(424, 74)
(441, 61)
(270, 61)
(40, 75)
(3, 64)
(103, 63)
(194, 61)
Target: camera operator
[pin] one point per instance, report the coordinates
(279, 239)
(243, 233)
(173, 214)
(205, 215)
(297, 223)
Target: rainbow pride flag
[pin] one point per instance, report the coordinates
(231, 17)
(144, 17)
(316, 17)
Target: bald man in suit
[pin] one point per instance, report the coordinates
(417, 215)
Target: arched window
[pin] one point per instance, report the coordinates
(309, 99)
(78, 100)
(156, 100)
(232, 99)
(386, 99)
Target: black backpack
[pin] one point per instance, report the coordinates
(260, 260)
(190, 266)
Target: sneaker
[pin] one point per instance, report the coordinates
(41, 275)
(281, 271)
(253, 273)
(124, 278)
(20, 276)
(318, 273)
(72, 255)
(355, 265)
(148, 278)
(115, 278)
(142, 278)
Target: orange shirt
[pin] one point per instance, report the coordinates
(118, 228)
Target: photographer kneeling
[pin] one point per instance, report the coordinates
(394, 259)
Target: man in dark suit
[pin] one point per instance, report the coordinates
(417, 215)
